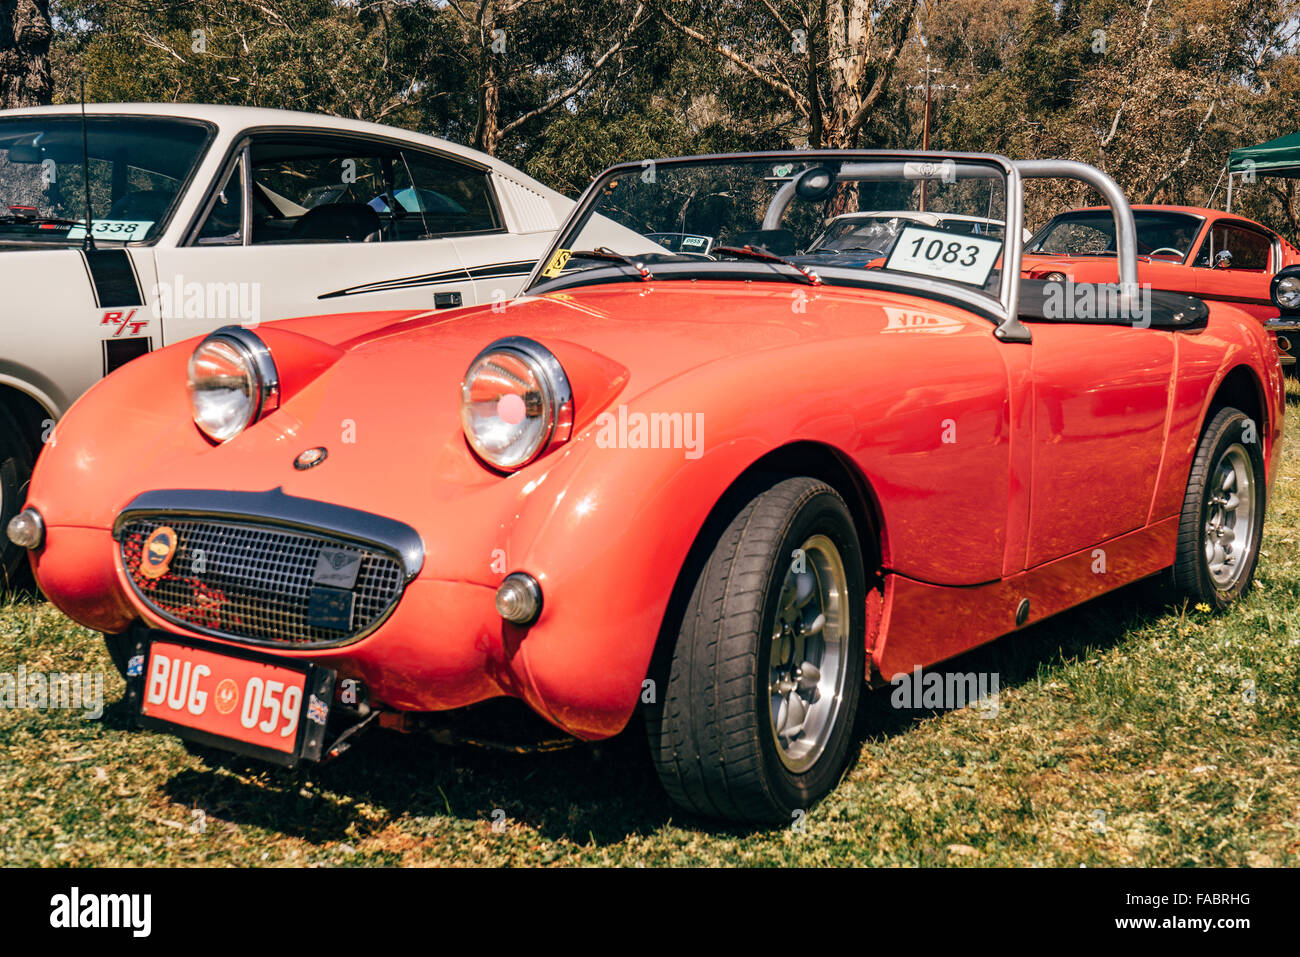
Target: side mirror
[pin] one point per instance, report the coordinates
(815, 184)
(1223, 259)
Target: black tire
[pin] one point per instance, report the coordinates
(1228, 429)
(711, 730)
(16, 460)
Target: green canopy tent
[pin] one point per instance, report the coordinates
(1279, 157)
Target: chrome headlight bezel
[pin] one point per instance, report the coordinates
(258, 369)
(1284, 290)
(550, 403)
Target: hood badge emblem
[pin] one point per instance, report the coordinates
(311, 458)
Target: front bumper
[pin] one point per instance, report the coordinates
(1287, 329)
(441, 645)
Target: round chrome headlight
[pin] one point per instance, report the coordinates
(515, 403)
(232, 381)
(1286, 289)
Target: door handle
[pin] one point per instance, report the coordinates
(446, 300)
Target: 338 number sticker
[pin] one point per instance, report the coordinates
(932, 252)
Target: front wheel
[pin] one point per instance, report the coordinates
(756, 720)
(1223, 512)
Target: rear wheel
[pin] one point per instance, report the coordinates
(15, 471)
(756, 720)
(1223, 512)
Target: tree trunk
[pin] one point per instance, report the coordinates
(25, 34)
(487, 131)
(487, 124)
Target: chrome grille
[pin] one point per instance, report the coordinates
(254, 582)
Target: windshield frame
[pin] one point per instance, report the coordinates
(999, 309)
(165, 223)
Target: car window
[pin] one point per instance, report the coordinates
(1231, 247)
(308, 191)
(224, 224)
(873, 234)
(338, 190)
(1091, 232)
(1073, 238)
(969, 227)
(439, 197)
(138, 167)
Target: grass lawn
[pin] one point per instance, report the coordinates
(1128, 733)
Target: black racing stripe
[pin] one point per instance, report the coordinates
(113, 278)
(522, 268)
(496, 271)
(428, 279)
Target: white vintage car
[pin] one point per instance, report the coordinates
(202, 216)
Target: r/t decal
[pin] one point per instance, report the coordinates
(124, 322)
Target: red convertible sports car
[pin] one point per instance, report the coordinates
(1211, 254)
(725, 490)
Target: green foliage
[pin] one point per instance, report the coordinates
(1155, 92)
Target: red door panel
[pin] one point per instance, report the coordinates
(1100, 401)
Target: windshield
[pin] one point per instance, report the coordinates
(695, 218)
(138, 166)
(1091, 232)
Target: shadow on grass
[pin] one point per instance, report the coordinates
(590, 794)
(599, 793)
(1019, 657)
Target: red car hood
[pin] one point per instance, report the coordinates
(382, 392)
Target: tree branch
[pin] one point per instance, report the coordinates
(578, 84)
(800, 103)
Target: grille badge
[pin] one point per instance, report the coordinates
(337, 567)
(310, 458)
(157, 552)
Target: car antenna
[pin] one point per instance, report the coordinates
(89, 243)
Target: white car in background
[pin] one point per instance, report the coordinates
(203, 216)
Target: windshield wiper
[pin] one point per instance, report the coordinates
(748, 252)
(604, 254)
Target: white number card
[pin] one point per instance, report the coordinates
(126, 230)
(932, 252)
